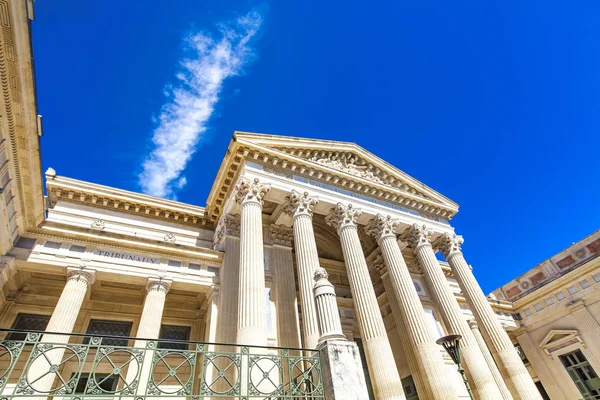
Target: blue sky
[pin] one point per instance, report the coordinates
(495, 104)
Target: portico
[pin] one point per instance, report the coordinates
(280, 209)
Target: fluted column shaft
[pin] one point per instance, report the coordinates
(281, 261)
(511, 367)
(62, 320)
(154, 306)
(380, 360)
(409, 351)
(489, 360)
(328, 314)
(252, 308)
(427, 353)
(229, 286)
(307, 261)
(149, 328)
(479, 375)
(539, 366)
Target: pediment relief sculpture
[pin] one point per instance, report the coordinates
(355, 165)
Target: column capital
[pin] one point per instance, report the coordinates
(449, 243)
(251, 191)
(229, 225)
(379, 264)
(576, 305)
(416, 236)
(81, 274)
(300, 204)
(158, 284)
(381, 227)
(473, 323)
(213, 293)
(281, 235)
(342, 216)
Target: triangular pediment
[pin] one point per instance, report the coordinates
(341, 164)
(558, 336)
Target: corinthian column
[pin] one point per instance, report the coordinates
(380, 360)
(490, 361)
(409, 351)
(45, 369)
(300, 206)
(511, 367)
(286, 303)
(419, 238)
(427, 353)
(252, 308)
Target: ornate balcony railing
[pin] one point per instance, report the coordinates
(47, 365)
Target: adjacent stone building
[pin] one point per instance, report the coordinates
(107, 293)
(558, 308)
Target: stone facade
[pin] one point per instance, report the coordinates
(240, 271)
(558, 305)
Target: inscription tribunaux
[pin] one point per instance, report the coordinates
(125, 256)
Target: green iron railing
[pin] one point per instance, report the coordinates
(47, 365)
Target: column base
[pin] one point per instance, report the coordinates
(343, 374)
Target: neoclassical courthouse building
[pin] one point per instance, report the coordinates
(315, 270)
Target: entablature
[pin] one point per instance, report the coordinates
(73, 190)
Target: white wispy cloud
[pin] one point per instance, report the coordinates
(183, 120)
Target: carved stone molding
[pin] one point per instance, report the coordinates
(281, 235)
(320, 273)
(98, 224)
(417, 235)
(379, 264)
(300, 204)
(228, 226)
(159, 284)
(380, 227)
(84, 274)
(342, 216)
(170, 237)
(449, 243)
(251, 191)
(339, 279)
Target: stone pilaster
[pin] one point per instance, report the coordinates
(300, 207)
(328, 315)
(480, 377)
(427, 353)
(252, 308)
(62, 321)
(549, 381)
(227, 238)
(281, 261)
(409, 351)
(511, 367)
(489, 360)
(589, 329)
(382, 367)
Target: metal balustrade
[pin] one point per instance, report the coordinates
(48, 365)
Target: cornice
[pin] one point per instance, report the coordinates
(283, 159)
(19, 118)
(99, 196)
